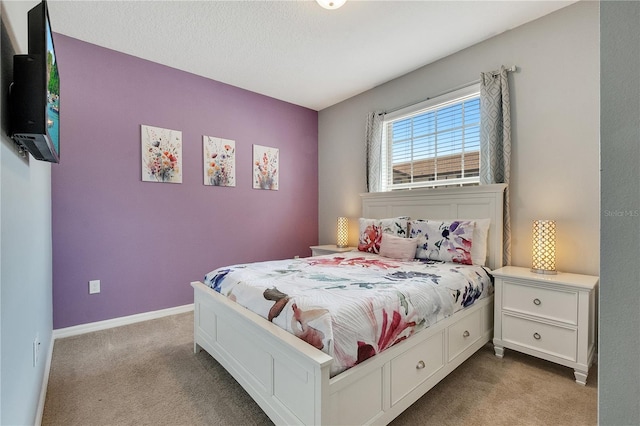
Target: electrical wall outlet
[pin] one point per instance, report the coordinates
(36, 350)
(94, 286)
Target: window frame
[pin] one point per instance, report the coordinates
(386, 169)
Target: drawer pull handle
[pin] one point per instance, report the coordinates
(537, 302)
(536, 336)
(420, 365)
(465, 334)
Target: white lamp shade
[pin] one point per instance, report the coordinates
(544, 247)
(331, 4)
(342, 234)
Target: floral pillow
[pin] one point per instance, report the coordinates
(446, 241)
(371, 231)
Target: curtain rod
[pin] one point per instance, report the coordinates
(512, 68)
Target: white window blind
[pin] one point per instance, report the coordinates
(434, 143)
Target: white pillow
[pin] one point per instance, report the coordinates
(398, 248)
(480, 237)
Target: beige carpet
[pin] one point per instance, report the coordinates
(147, 374)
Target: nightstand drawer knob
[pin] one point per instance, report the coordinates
(536, 336)
(537, 302)
(465, 334)
(420, 365)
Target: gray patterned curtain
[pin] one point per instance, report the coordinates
(374, 150)
(495, 141)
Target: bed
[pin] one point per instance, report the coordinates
(297, 383)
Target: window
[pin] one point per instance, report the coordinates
(434, 143)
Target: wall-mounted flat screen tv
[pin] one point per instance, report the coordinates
(35, 93)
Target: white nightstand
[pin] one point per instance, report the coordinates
(547, 316)
(329, 249)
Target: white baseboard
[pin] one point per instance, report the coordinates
(45, 384)
(117, 322)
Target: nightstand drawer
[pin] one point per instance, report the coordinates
(553, 340)
(464, 333)
(541, 302)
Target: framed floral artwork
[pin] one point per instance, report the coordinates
(265, 167)
(219, 161)
(161, 155)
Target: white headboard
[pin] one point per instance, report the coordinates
(468, 202)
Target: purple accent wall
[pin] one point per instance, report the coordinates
(147, 241)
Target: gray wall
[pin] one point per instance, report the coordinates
(555, 119)
(25, 250)
(619, 350)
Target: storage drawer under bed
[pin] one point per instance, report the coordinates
(464, 333)
(416, 365)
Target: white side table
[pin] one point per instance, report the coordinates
(329, 249)
(547, 316)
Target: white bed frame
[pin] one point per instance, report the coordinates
(289, 379)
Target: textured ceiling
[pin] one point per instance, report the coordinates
(295, 51)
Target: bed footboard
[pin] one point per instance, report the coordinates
(289, 379)
(284, 375)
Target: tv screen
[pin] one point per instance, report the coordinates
(35, 93)
(53, 90)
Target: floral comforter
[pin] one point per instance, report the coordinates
(352, 305)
